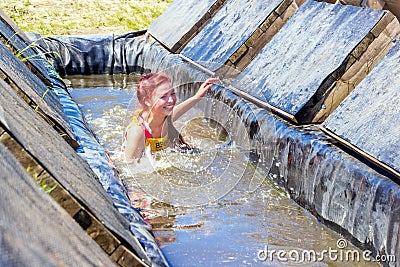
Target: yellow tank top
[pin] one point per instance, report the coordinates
(156, 144)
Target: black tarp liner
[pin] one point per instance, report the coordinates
(93, 54)
(34, 229)
(338, 188)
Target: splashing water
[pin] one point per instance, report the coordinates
(231, 229)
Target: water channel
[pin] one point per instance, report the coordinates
(241, 228)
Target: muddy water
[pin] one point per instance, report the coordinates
(239, 228)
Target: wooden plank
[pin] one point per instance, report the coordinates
(216, 42)
(265, 38)
(368, 117)
(181, 21)
(394, 7)
(254, 36)
(262, 35)
(38, 95)
(26, 160)
(362, 153)
(244, 61)
(268, 21)
(240, 52)
(198, 26)
(283, 7)
(93, 227)
(106, 240)
(128, 259)
(312, 52)
(43, 144)
(359, 50)
(382, 24)
(376, 51)
(300, 2)
(351, 78)
(41, 232)
(96, 230)
(367, 54)
(11, 24)
(21, 45)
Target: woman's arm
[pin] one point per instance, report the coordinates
(183, 107)
(135, 142)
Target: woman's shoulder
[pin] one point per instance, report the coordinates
(136, 118)
(135, 132)
(135, 129)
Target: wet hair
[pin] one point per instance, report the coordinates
(148, 84)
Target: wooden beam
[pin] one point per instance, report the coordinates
(362, 153)
(242, 57)
(351, 72)
(93, 227)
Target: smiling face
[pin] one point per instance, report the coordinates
(164, 99)
(155, 94)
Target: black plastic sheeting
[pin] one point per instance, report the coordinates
(40, 232)
(338, 188)
(93, 54)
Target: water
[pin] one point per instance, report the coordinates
(240, 228)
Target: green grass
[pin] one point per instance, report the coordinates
(47, 186)
(54, 17)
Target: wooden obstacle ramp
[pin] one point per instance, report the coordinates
(315, 61)
(237, 32)
(44, 153)
(37, 94)
(22, 47)
(392, 5)
(41, 233)
(182, 21)
(273, 22)
(34, 87)
(367, 120)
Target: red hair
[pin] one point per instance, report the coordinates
(148, 85)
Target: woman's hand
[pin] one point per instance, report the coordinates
(183, 107)
(205, 87)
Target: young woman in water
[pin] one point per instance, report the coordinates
(152, 124)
